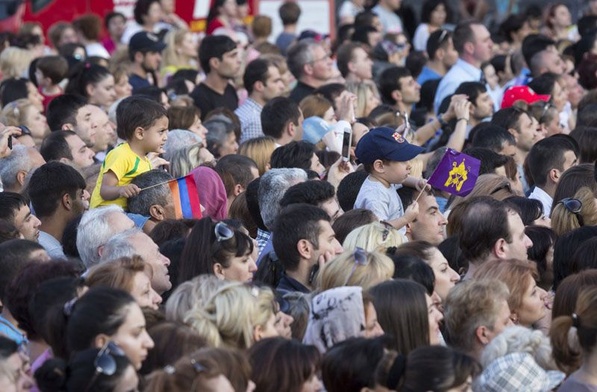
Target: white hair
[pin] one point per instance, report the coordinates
(177, 139)
(517, 339)
(272, 187)
(17, 161)
(120, 246)
(94, 231)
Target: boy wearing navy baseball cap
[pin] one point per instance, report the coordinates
(384, 154)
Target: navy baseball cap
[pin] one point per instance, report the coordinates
(387, 144)
(145, 42)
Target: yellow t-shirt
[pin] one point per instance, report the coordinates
(126, 165)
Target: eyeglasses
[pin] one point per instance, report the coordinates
(574, 206)
(360, 258)
(327, 56)
(386, 233)
(24, 130)
(223, 232)
(104, 362)
(545, 107)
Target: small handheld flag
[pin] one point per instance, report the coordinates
(456, 173)
(185, 197)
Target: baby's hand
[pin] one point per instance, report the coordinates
(128, 191)
(412, 212)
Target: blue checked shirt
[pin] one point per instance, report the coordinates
(249, 114)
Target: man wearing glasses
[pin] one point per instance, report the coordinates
(311, 65)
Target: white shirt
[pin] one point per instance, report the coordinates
(383, 202)
(51, 245)
(421, 37)
(390, 21)
(460, 72)
(97, 49)
(544, 198)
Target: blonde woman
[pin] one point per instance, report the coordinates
(373, 237)
(185, 159)
(191, 293)
(356, 268)
(260, 150)
(14, 62)
(367, 97)
(23, 112)
(235, 316)
(180, 53)
(574, 212)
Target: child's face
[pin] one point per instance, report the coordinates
(123, 88)
(155, 137)
(396, 172)
(41, 80)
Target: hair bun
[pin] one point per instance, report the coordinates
(51, 376)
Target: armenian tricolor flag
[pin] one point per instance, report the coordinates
(185, 197)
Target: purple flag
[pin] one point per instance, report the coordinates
(456, 173)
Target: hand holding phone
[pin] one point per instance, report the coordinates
(346, 144)
(6, 141)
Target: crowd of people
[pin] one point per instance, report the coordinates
(303, 248)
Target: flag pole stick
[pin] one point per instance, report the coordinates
(421, 192)
(154, 185)
(160, 183)
(417, 199)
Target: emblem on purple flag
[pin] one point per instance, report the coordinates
(456, 173)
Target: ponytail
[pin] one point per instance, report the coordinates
(567, 358)
(51, 376)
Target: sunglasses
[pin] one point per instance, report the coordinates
(104, 362)
(360, 258)
(387, 229)
(223, 232)
(574, 206)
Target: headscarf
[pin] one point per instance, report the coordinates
(336, 315)
(212, 193)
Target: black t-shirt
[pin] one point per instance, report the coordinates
(207, 99)
(301, 91)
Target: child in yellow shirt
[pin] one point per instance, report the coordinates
(143, 123)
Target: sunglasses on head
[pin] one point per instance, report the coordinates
(104, 362)
(574, 206)
(360, 258)
(223, 232)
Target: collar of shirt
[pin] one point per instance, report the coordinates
(469, 69)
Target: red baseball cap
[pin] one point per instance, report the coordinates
(522, 93)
